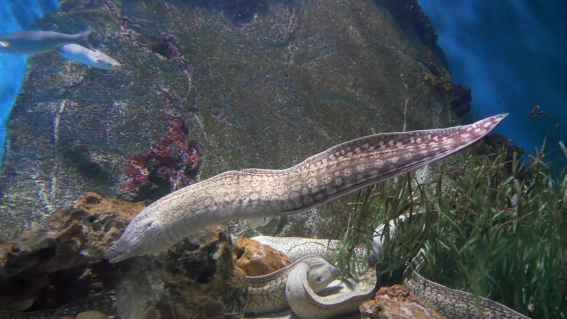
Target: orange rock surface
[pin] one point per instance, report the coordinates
(71, 238)
(397, 302)
(257, 259)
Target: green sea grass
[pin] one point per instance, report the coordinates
(492, 225)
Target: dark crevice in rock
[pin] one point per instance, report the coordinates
(89, 169)
(458, 96)
(45, 254)
(409, 13)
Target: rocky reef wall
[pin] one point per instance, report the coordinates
(257, 85)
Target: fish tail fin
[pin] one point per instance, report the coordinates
(83, 38)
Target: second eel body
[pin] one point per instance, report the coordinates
(254, 193)
(453, 304)
(267, 293)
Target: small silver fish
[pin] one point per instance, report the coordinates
(93, 58)
(31, 42)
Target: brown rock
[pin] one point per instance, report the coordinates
(196, 278)
(60, 260)
(396, 302)
(257, 259)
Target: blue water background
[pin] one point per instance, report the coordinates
(512, 53)
(16, 15)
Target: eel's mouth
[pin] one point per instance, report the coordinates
(115, 255)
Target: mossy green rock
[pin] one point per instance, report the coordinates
(267, 92)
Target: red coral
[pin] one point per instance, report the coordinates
(133, 171)
(174, 161)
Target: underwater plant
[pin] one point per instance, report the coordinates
(489, 230)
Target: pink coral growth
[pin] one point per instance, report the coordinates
(172, 163)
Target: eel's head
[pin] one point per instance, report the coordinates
(142, 236)
(321, 274)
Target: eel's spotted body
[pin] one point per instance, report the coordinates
(453, 304)
(255, 193)
(267, 293)
(308, 305)
(297, 247)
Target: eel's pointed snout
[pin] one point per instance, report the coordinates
(114, 255)
(109, 253)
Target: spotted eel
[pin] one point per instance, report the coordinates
(267, 293)
(453, 304)
(255, 193)
(297, 247)
(308, 305)
(105, 303)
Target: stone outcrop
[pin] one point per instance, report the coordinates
(397, 302)
(257, 259)
(60, 261)
(258, 84)
(194, 279)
